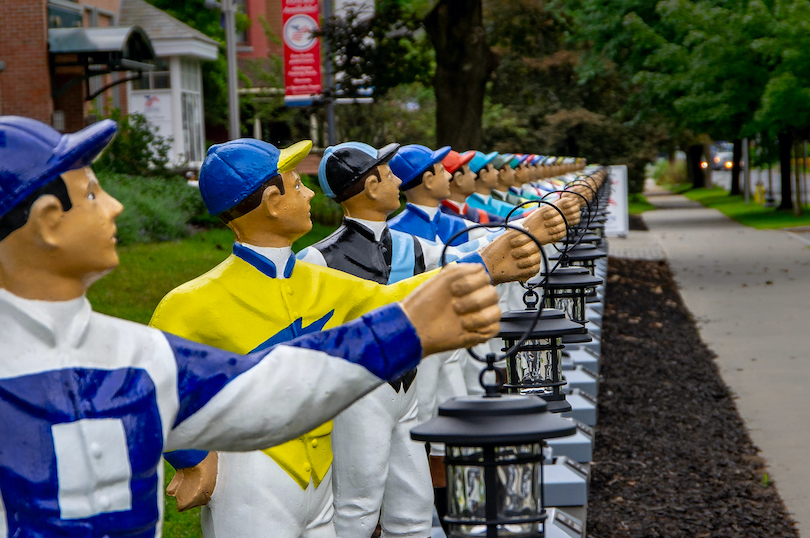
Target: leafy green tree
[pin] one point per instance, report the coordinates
(785, 109)
(693, 61)
(380, 52)
(552, 107)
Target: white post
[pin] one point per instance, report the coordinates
(176, 82)
(257, 128)
(313, 130)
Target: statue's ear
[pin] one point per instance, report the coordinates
(372, 184)
(428, 177)
(272, 200)
(44, 219)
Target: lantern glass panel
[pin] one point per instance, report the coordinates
(535, 367)
(571, 301)
(517, 478)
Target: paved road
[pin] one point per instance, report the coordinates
(750, 292)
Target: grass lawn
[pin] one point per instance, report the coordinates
(752, 214)
(149, 271)
(637, 204)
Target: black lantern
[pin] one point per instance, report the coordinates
(493, 460)
(534, 366)
(568, 292)
(582, 255)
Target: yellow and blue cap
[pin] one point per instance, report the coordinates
(234, 170)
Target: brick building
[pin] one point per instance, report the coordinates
(69, 62)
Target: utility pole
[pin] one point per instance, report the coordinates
(328, 82)
(229, 11)
(228, 8)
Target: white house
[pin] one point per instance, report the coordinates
(170, 96)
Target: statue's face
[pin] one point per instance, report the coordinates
(464, 178)
(522, 174)
(533, 175)
(85, 235)
(506, 175)
(489, 176)
(294, 217)
(441, 184)
(388, 189)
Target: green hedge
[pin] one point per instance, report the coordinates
(167, 208)
(155, 208)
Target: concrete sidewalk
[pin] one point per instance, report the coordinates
(749, 290)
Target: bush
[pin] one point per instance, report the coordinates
(323, 210)
(137, 149)
(665, 172)
(155, 209)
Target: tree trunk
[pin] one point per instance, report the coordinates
(464, 64)
(693, 154)
(707, 173)
(736, 157)
(803, 198)
(797, 180)
(785, 143)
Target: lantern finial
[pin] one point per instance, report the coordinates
(491, 390)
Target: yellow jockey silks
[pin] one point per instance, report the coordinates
(239, 307)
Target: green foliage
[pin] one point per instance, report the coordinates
(323, 211)
(383, 51)
(540, 100)
(155, 208)
(137, 149)
(753, 215)
(669, 173)
(405, 114)
(729, 69)
(637, 204)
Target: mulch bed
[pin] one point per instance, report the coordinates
(672, 456)
(636, 223)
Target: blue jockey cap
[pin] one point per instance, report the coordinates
(234, 170)
(414, 160)
(33, 154)
(481, 160)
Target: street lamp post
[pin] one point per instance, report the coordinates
(328, 79)
(229, 11)
(228, 8)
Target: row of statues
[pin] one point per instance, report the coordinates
(281, 386)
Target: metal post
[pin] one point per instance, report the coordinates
(229, 11)
(328, 82)
(746, 170)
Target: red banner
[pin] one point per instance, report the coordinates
(302, 51)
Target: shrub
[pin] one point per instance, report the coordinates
(155, 209)
(666, 172)
(137, 149)
(323, 210)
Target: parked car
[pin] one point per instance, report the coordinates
(724, 160)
